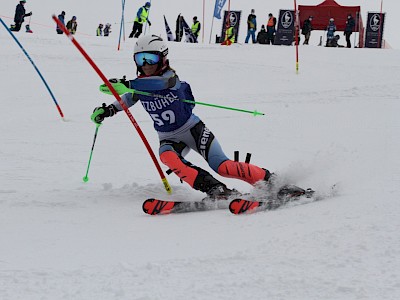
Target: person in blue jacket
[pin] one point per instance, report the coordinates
(331, 28)
(251, 27)
(178, 128)
(19, 16)
(142, 16)
(61, 17)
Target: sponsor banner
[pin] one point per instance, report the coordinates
(168, 30)
(219, 4)
(374, 30)
(286, 30)
(234, 19)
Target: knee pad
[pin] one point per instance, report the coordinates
(243, 171)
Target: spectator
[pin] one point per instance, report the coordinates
(196, 27)
(61, 17)
(179, 28)
(331, 28)
(72, 25)
(142, 16)
(251, 27)
(334, 42)
(230, 34)
(350, 24)
(19, 16)
(262, 36)
(306, 30)
(271, 29)
(107, 29)
(99, 31)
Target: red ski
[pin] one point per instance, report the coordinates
(161, 207)
(286, 194)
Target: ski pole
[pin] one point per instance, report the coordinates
(122, 89)
(125, 108)
(86, 178)
(36, 68)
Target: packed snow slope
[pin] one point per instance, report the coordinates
(334, 122)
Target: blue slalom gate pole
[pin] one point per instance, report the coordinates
(122, 24)
(145, 28)
(33, 64)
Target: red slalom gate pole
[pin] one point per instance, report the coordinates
(125, 108)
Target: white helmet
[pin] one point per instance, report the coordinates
(331, 19)
(151, 43)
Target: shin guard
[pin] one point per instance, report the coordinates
(243, 171)
(196, 177)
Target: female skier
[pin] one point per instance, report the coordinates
(179, 130)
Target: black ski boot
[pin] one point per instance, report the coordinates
(221, 192)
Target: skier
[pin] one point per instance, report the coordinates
(142, 16)
(179, 130)
(61, 17)
(99, 31)
(107, 29)
(72, 25)
(19, 16)
(331, 28)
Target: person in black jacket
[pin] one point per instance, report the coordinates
(19, 16)
(306, 30)
(350, 24)
(262, 36)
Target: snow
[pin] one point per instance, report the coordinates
(334, 122)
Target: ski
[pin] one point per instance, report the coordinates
(162, 207)
(285, 195)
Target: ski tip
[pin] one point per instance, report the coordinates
(241, 206)
(157, 207)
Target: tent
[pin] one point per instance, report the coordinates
(331, 9)
(324, 11)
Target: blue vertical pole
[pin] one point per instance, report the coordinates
(122, 24)
(33, 64)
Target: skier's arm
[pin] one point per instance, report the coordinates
(139, 13)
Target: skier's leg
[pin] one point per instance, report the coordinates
(208, 146)
(197, 178)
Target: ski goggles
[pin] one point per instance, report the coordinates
(146, 58)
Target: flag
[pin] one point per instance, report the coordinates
(168, 30)
(219, 4)
(189, 36)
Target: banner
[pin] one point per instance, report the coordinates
(168, 30)
(189, 36)
(285, 33)
(234, 19)
(374, 31)
(219, 4)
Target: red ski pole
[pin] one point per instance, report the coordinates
(128, 113)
